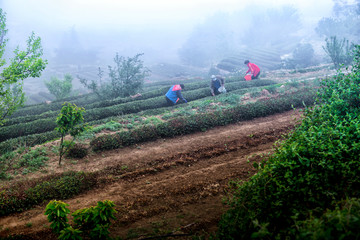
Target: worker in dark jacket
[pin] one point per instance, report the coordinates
(253, 68)
(217, 83)
(174, 94)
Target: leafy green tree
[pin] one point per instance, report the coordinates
(24, 64)
(126, 78)
(70, 121)
(340, 51)
(60, 88)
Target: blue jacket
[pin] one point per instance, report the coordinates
(174, 94)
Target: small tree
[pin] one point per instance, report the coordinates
(25, 64)
(340, 51)
(92, 222)
(126, 78)
(60, 88)
(57, 212)
(70, 121)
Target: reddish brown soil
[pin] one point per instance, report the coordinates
(171, 187)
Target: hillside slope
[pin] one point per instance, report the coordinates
(172, 186)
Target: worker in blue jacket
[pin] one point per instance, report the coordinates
(174, 94)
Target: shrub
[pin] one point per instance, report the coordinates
(340, 223)
(77, 151)
(340, 52)
(311, 171)
(26, 194)
(93, 222)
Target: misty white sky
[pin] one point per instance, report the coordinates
(170, 20)
(126, 13)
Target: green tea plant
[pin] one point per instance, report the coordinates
(70, 121)
(70, 233)
(92, 222)
(33, 160)
(57, 212)
(341, 223)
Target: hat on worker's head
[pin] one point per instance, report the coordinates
(213, 77)
(246, 62)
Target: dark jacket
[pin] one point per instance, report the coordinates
(215, 84)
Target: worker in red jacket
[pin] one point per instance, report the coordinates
(174, 94)
(253, 68)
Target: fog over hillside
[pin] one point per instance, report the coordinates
(78, 36)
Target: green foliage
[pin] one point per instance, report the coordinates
(199, 122)
(70, 121)
(343, 222)
(77, 151)
(47, 124)
(340, 51)
(126, 78)
(93, 222)
(311, 171)
(25, 64)
(57, 212)
(70, 233)
(26, 194)
(33, 160)
(60, 88)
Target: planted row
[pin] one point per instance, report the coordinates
(23, 196)
(200, 122)
(48, 124)
(90, 101)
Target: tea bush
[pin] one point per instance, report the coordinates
(48, 124)
(310, 172)
(341, 223)
(77, 151)
(24, 195)
(200, 122)
(29, 140)
(89, 101)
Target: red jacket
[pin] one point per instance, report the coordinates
(253, 68)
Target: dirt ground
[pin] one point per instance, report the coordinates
(173, 188)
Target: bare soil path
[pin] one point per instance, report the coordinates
(172, 186)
